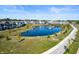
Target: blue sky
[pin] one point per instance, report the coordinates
(45, 12)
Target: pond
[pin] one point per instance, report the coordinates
(42, 31)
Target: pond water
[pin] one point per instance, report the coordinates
(42, 31)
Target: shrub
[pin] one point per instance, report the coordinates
(22, 40)
(1, 36)
(8, 38)
(55, 34)
(48, 36)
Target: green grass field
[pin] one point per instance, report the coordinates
(11, 42)
(75, 45)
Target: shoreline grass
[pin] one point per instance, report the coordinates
(74, 46)
(32, 45)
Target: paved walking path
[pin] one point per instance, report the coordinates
(59, 48)
(78, 51)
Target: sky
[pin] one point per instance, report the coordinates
(40, 12)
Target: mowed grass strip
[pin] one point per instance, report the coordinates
(27, 46)
(74, 46)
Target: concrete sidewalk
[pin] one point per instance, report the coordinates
(78, 51)
(59, 48)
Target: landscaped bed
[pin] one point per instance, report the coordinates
(12, 42)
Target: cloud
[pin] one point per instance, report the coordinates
(65, 16)
(11, 8)
(64, 9)
(55, 10)
(41, 16)
(23, 12)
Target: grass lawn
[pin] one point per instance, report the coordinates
(11, 42)
(74, 46)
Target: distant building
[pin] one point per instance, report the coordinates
(9, 24)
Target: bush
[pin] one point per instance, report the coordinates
(1, 36)
(65, 32)
(23, 24)
(55, 34)
(48, 36)
(22, 40)
(8, 38)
